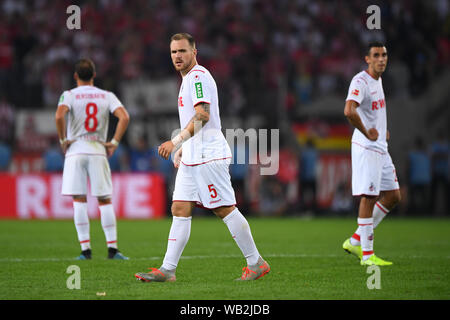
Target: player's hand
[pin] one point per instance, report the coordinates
(372, 134)
(166, 149)
(66, 144)
(388, 135)
(110, 148)
(177, 158)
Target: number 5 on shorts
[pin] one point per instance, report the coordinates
(212, 190)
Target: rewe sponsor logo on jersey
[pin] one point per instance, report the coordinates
(199, 89)
(378, 104)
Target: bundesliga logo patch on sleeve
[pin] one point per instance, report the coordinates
(61, 99)
(355, 92)
(199, 89)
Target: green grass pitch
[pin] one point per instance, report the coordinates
(306, 257)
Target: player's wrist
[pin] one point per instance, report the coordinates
(180, 138)
(115, 142)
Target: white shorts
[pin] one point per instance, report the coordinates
(372, 171)
(209, 184)
(79, 167)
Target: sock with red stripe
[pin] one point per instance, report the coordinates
(366, 227)
(81, 219)
(108, 220)
(240, 231)
(178, 238)
(378, 214)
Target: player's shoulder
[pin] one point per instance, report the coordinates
(361, 78)
(199, 72)
(65, 97)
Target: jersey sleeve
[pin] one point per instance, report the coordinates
(200, 88)
(357, 90)
(66, 99)
(114, 102)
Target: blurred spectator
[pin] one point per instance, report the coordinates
(30, 140)
(142, 157)
(118, 162)
(440, 174)
(273, 200)
(308, 176)
(419, 179)
(288, 170)
(5, 156)
(53, 157)
(6, 121)
(342, 199)
(239, 173)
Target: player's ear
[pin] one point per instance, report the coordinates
(75, 76)
(95, 74)
(367, 59)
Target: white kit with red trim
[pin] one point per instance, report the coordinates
(88, 118)
(372, 167)
(368, 93)
(209, 143)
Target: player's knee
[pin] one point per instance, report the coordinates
(396, 197)
(104, 200)
(79, 198)
(180, 210)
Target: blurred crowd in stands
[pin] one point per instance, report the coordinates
(252, 47)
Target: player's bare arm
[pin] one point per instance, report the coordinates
(355, 120)
(61, 126)
(197, 122)
(124, 118)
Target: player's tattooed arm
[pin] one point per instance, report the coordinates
(200, 118)
(202, 112)
(197, 122)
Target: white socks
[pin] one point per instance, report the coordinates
(379, 212)
(240, 230)
(108, 219)
(181, 230)
(366, 228)
(81, 220)
(178, 237)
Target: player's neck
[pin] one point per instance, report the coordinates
(84, 83)
(373, 74)
(187, 70)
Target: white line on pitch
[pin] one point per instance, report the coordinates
(205, 257)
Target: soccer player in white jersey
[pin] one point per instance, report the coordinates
(203, 159)
(373, 173)
(85, 147)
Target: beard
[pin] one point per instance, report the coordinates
(183, 66)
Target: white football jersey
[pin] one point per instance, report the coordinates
(368, 92)
(88, 118)
(209, 143)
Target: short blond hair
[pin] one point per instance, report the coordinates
(184, 35)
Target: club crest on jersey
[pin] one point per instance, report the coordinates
(199, 89)
(355, 92)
